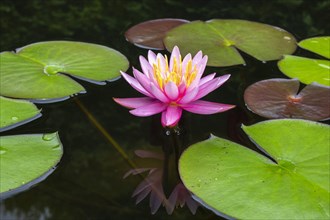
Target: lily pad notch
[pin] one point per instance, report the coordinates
(40, 71)
(27, 160)
(244, 184)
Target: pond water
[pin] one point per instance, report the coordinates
(88, 183)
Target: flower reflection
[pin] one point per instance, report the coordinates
(153, 184)
(173, 86)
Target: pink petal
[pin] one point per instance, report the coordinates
(211, 85)
(171, 116)
(189, 95)
(159, 94)
(206, 79)
(151, 57)
(162, 63)
(185, 62)
(206, 108)
(142, 79)
(145, 66)
(171, 90)
(134, 102)
(135, 84)
(174, 55)
(197, 58)
(201, 66)
(142, 195)
(135, 171)
(150, 109)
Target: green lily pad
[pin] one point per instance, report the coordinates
(244, 184)
(14, 113)
(40, 71)
(319, 45)
(306, 70)
(27, 160)
(220, 39)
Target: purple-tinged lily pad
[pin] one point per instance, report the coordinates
(150, 34)
(279, 98)
(221, 39)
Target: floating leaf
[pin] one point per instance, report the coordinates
(278, 98)
(319, 45)
(27, 160)
(36, 71)
(220, 39)
(244, 184)
(305, 69)
(14, 113)
(150, 34)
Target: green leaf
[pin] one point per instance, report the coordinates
(14, 113)
(27, 160)
(319, 45)
(36, 71)
(220, 39)
(305, 69)
(244, 184)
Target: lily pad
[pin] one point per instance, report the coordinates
(309, 70)
(305, 69)
(279, 98)
(220, 39)
(244, 184)
(319, 45)
(150, 34)
(27, 160)
(15, 112)
(40, 71)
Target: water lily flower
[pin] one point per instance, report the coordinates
(172, 86)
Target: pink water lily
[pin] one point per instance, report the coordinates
(173, 86)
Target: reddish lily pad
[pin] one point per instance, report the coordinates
(279, 98)
(220, 39)
(150, 34)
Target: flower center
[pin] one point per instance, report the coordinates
(178, 73)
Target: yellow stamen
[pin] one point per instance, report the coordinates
(163, 75)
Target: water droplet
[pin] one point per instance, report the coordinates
(14, 118)
(168, 133)
(48, 137)
(263, 61)
(3, 150)
(287, 38)
(244, 64)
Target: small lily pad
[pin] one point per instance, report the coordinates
(150, 34)
(244, 184)
(319, 45)
(305, 69)
(220, 39)
(40, 71)
(309, 70)
(27, 160)
(279, 98)
(15, 112)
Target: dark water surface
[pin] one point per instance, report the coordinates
(89, 184)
